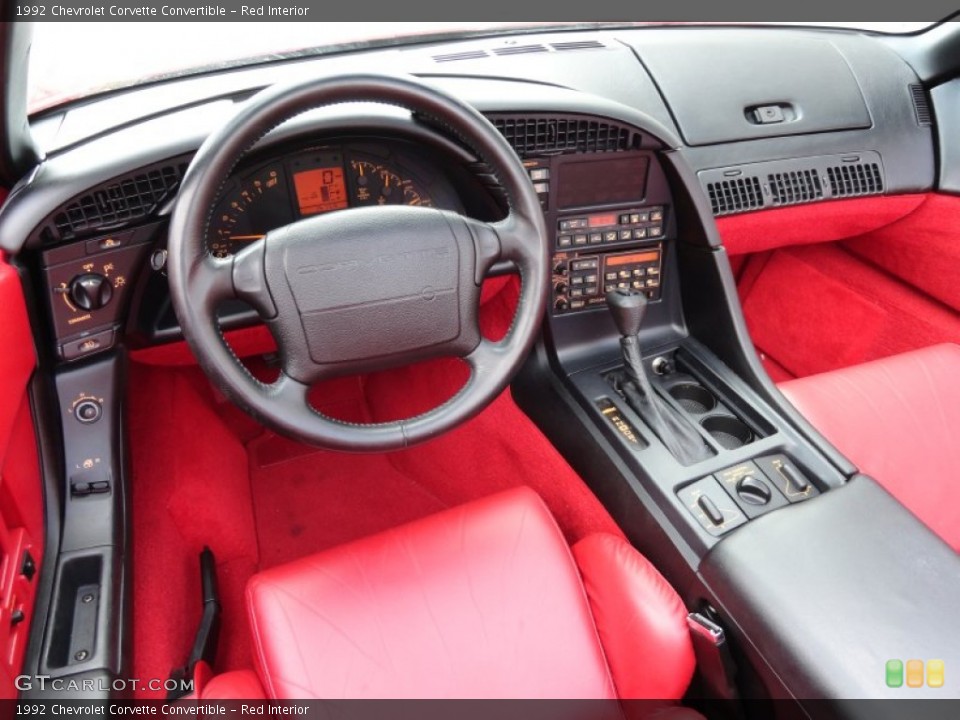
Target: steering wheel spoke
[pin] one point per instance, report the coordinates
(249, 279)
(517, 235)
(212, 280)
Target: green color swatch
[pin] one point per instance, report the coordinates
(894, 673)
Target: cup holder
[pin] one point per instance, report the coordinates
(729, 432)
(693, 398)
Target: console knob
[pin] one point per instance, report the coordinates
(560, 288)
(561, 304)
(90, 291)
(753, 491)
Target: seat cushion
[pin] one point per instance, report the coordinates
(480, 601)
(898, 420)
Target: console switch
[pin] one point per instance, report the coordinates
(710, 509)
(750, 489)
(787, 477)
(716, 512)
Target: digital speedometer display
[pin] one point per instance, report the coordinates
(320, 190)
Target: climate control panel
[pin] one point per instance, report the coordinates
(581, 281)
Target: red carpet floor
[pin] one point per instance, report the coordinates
(885, 282)
(204, 474)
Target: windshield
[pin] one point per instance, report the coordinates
(110, 55)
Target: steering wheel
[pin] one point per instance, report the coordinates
(362, 289)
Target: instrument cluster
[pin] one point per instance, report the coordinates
(271, 193)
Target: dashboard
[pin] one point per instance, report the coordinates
(592, 115)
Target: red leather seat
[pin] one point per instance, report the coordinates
(486, 600)
(898, 420)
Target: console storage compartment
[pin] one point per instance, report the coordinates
(824, 593)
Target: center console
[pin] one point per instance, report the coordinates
(614, 226)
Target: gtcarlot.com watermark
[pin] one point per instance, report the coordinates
(45, 683)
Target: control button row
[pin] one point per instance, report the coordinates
(609, 236)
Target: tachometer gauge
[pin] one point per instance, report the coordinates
(253, 206)
(377, 184)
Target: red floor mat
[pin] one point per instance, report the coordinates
(204, 474)
(817, 308)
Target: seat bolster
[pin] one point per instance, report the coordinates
(640, 619)
(897, 420)
(236, 685)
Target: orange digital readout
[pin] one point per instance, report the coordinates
(320, 190)
(644, 257)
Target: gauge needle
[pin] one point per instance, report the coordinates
(247, 237)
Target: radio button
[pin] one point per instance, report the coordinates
(625, 234)
(564, 241)
(639, 233)
(656, 215)
(595, 238)
(655, 231)
(610, 236)
(579, 239)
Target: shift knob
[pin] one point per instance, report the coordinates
(628, 308)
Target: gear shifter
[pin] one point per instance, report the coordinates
(628, 308)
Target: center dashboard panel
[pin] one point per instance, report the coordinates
(608, 215)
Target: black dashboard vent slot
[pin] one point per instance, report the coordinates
(116, 203)
(464, 55)
(551, 134)
(578, 45)
(735, 195)
(519, 50)
(855, 179)
(921, 106)
(788, 188)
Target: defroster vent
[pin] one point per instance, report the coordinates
(546, 134)
(855, 179)
(735, 195)
(116, 203)
(921, 106)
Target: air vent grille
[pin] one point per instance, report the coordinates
(520, 50)
(465, 55)
(921, 106)
(508, 50)
(788, 188)
(115, 204)
(537, 135)
(855, 179)
(578, 45)
(735, 195)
